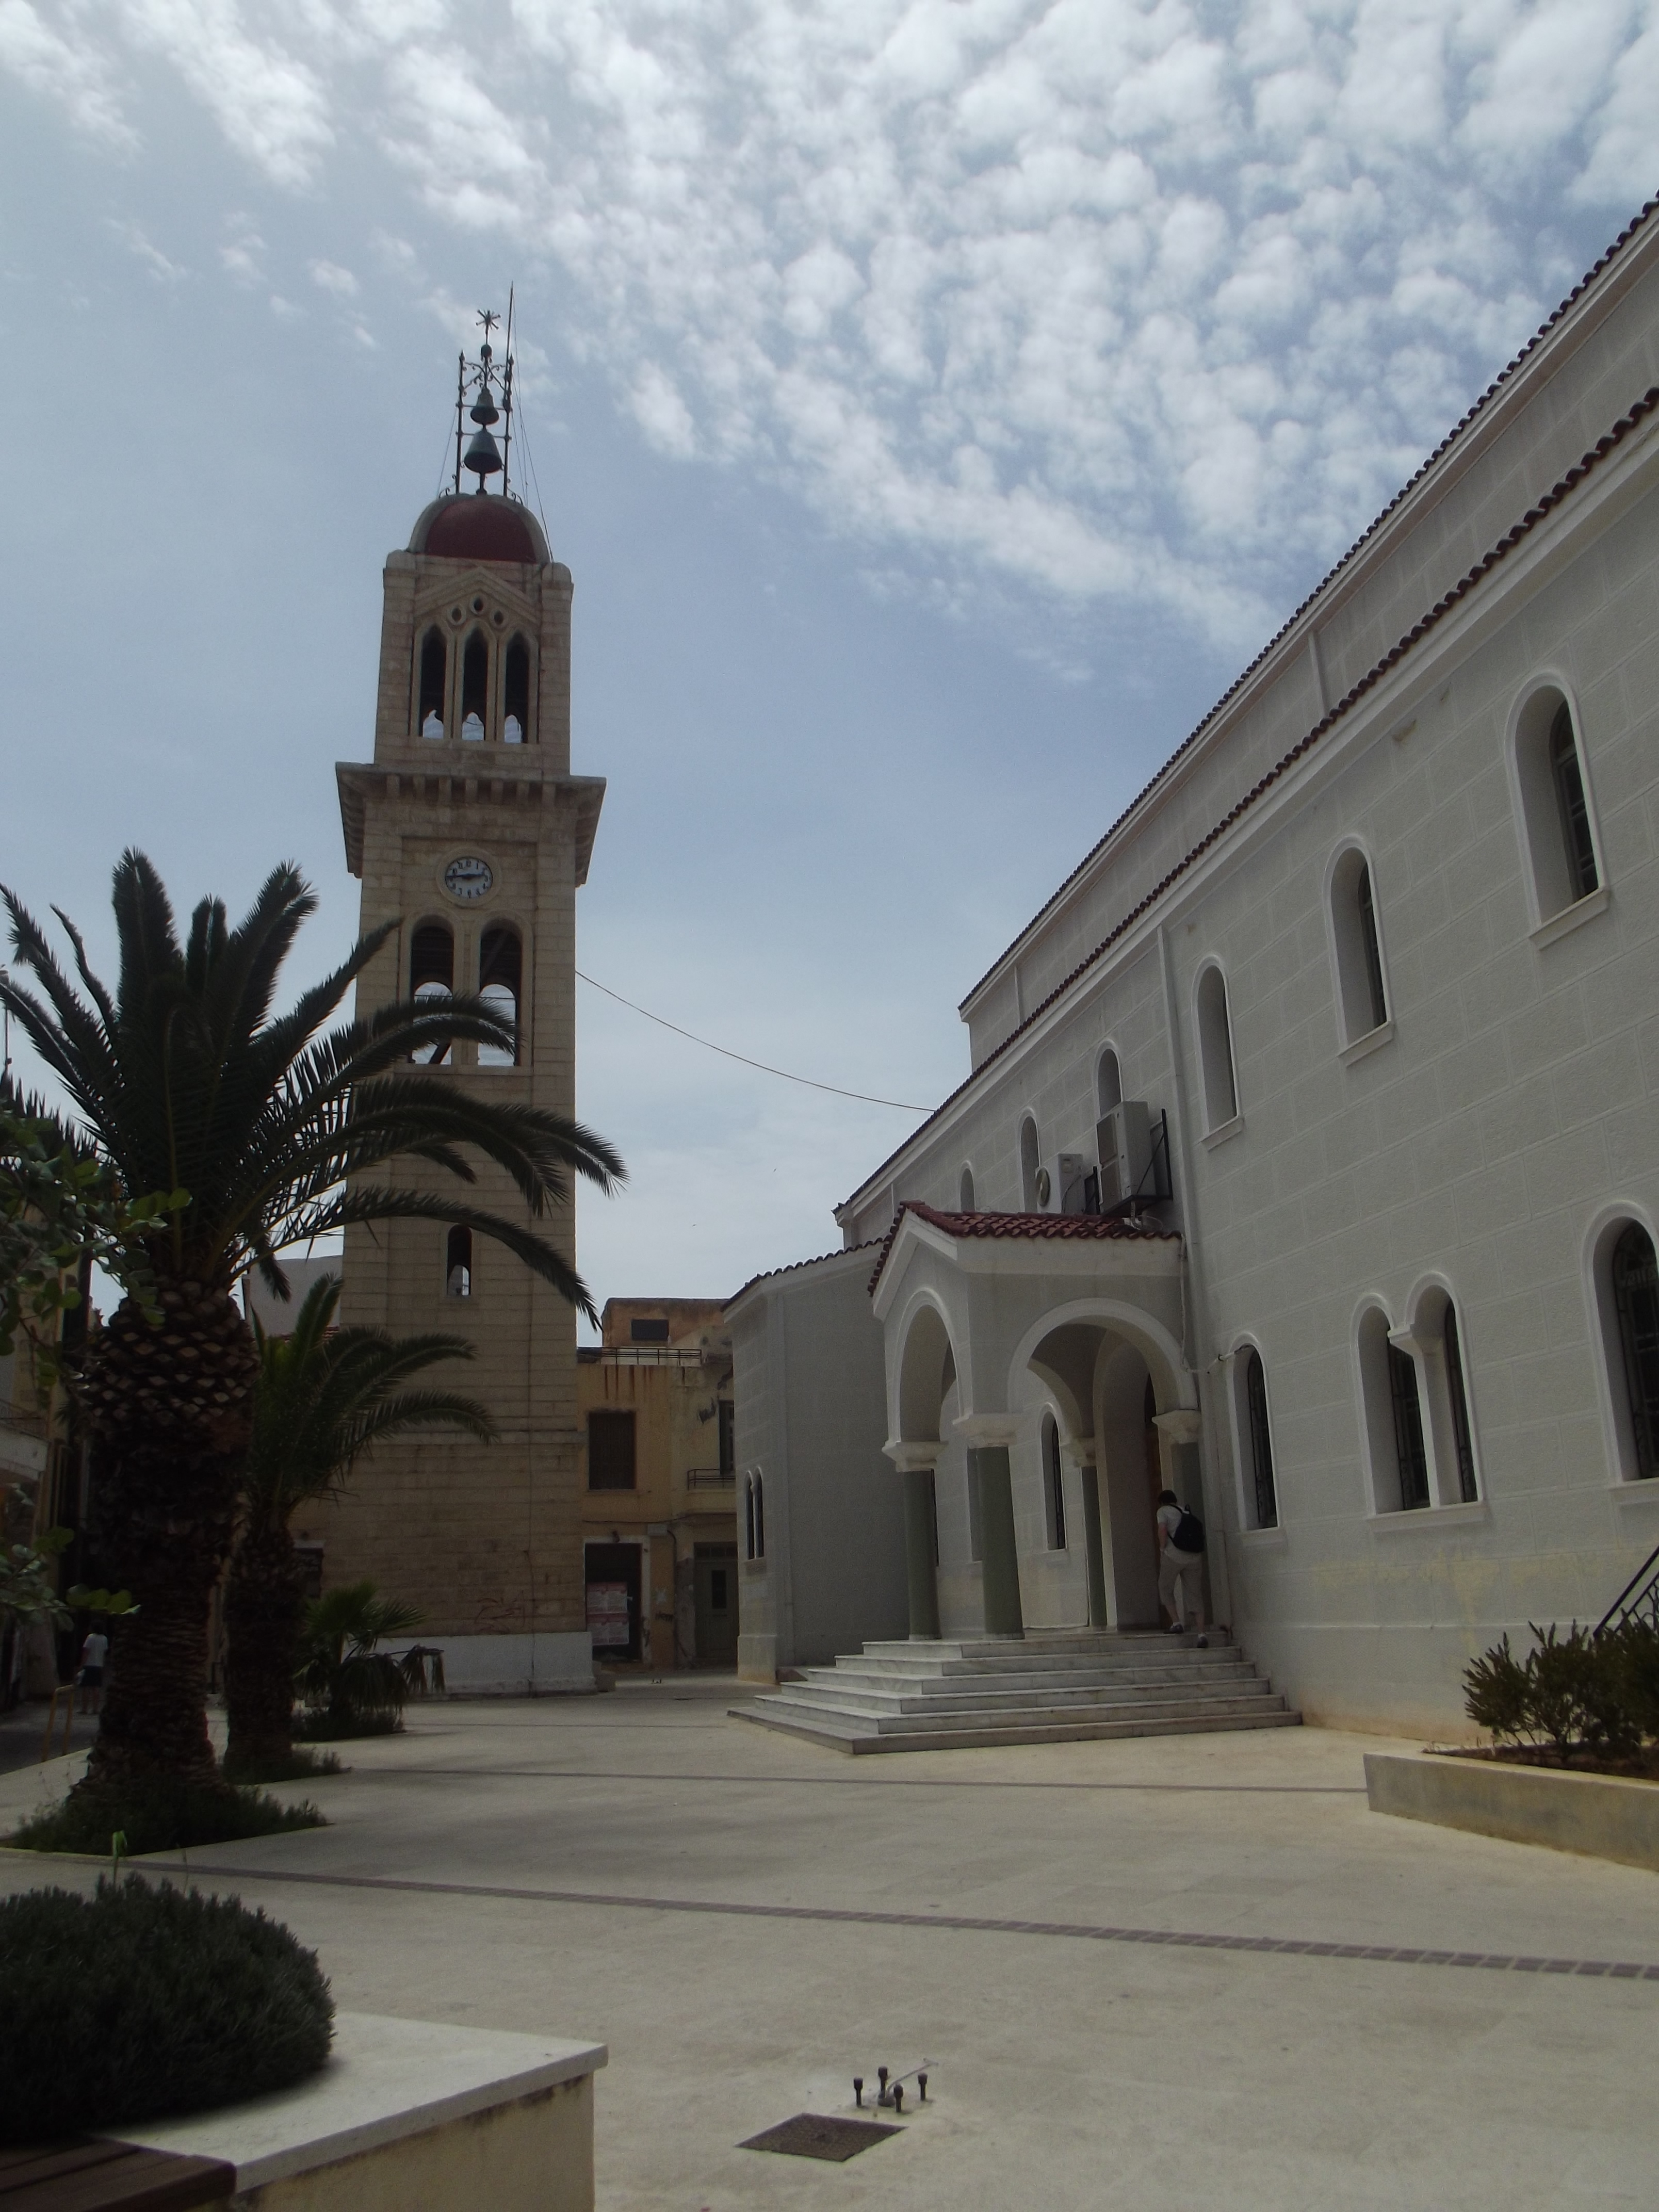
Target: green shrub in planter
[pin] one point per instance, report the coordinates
(1575, 1692)
(159, 1816)
(144, 2002)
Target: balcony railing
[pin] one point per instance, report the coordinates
(711, 1478)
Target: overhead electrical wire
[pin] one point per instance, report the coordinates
(901, 1105)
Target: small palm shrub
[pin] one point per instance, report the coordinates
(144, 2002)
(159, 1816)
(350, 1686)
(1575, 1694)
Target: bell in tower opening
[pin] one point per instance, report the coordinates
(471, 836)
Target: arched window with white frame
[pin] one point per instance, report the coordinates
(1555, 810)
(966, 1190)
(1362, 991)
(1391, 1406)
(1437, 1333)
(1109, 1083)
(1029, 1164)
(1626, 1289)
(1053, 1485)
(1215, 1050)
(1253, 1436)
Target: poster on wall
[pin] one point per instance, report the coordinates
(607, 1614)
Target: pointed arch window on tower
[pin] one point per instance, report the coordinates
(435, 672)
(431, 975)
(457, 1262)
(500, 968)
(474, 688)
(515, 694)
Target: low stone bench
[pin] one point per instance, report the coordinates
(407, 2113)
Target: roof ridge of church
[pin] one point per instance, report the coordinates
(1458, 432)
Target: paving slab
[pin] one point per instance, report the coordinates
(1152, 1972)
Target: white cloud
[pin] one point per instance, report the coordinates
(1124, 298)
(149, 257)
(329, 276)
(64, 69)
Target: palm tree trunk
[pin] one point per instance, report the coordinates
(165, 1520)
(170, 1402)
(262, 1626)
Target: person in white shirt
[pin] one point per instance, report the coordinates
(93, 1652)
(1180, 1573)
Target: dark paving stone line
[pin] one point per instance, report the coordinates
(1178, 1939)
(856, 1781)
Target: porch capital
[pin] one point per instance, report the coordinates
(1083, 1449)
(1183, 1426)
(987, 1431)
(910, 1454)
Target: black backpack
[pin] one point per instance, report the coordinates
(1188, 1532)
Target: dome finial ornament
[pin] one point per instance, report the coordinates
(480, 381)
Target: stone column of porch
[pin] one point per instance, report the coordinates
(989, 1436)
(916, 1462)
(1086, 1452)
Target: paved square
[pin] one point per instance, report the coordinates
(1163, 1973)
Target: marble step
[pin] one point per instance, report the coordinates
(840, 1735)
(829, 1695)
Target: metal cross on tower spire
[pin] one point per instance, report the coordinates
(482, 380)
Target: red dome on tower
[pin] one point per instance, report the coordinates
(474, 527)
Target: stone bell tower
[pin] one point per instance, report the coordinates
(470, 832)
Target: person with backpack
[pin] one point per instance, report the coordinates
(1180, 1564)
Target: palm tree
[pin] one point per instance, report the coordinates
(323, 1396)
(189, 1084)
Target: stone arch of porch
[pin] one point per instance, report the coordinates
(1173, 1382)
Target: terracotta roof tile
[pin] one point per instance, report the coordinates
(1105, 1228)
(795, 1266)
(1614, 437)
(1459, 429)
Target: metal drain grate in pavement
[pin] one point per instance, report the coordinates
(812, 2135)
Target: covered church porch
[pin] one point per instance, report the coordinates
(1039, 1397)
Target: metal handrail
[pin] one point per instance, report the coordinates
(711, 1478)
(1640, 1596)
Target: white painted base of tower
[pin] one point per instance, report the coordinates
(543, 1665)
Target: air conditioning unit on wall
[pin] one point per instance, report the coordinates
(1129, 1169)
(1062, 1184)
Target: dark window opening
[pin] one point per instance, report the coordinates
(1373, 949)
(474, 688)
(1570, 798)
(1636, 1300)
(458, 1263)
(728, 1439)
(515, 694)
(308, 1564)
(1053, 1483)
(1409, 1452)
(1261, 1443)
(610, 1451)
(615, 1614)
(1216, 1050)
(499, 976)
(1458, 1401)
(431, 977)
(434, 669)
(717, 1596)
(647, 1331)
(749, 1516)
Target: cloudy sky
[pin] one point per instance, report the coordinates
(936, 403)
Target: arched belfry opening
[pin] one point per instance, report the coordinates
(515, 694)
(475, 687)
(431, 705)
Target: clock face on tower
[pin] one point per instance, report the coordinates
(468, 878)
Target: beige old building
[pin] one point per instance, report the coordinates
(659, 1532)
(470, 832)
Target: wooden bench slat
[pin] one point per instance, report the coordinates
(114, 2176)
(26, 2163)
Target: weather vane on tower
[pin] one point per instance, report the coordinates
(482, 379)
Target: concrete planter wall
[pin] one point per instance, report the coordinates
(1600, 1816)
(409, 2112)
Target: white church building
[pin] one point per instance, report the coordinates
(1309, 1159)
